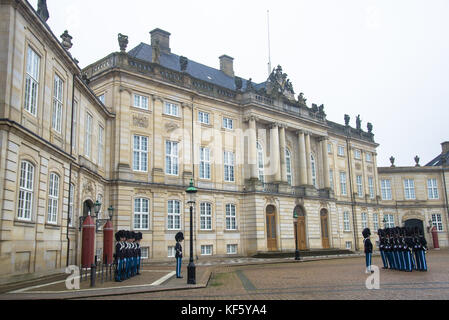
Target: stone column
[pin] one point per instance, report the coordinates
(324, 142)
(282, 151)
(252, 145)
(274, 153)
(302, 159)
(309, 165)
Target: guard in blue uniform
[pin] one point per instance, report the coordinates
(139, 251)
(178, 248)
(389, 248)
(382, 248)
(368, 249)
(119, 256)
(422, 251)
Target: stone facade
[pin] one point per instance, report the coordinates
(132, 133)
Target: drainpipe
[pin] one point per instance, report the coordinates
(354, 220)
(443, 162)
(70, 172)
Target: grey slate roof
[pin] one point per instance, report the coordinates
(197, 70)
(437, 161)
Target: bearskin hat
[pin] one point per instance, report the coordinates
(366, 232)
(179, 236)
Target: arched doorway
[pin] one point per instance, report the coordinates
(271, 228)
(324, 228)
(412, 223)
(300, 227)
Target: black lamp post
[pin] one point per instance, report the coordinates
(191, 270)
(295, 216)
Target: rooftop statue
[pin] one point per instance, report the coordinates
(301, 99)
(369, 127)
(42, 10)
(347, 118)
(358, 123)
(183, 62)
(278, 84)
(122, 42)
(156, 52)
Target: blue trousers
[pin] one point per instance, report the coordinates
(118, 271)
(390, 259)
(413, 261)
(408, 261)
(395, 261)
(398, 260)
(422, 257)
(418, 260)
(384, 259)
(368, 259)
(138, 264)
(178, 266)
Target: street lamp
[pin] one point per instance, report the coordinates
(191, 191)
(295, 217)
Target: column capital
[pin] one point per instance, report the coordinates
(186, 104)
(155, 97)
(250, 117)
(282, 125)
(273, 125)
(323, 138)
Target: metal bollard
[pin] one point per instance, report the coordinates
(93, 273)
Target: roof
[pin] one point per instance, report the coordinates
(197, 70)
(438, 160)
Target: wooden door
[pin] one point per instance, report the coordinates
(324, 229)
(302, 244)
(271, 228)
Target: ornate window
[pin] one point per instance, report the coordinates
(26, 193)
(260, 162)
(171, 158)
(140, 153)
(288, 164)
(204, 163)
(174, 215)
(53, 198)
(231, 221)
(57, 103)
(205, 216)
(141, 214)
(32, 81)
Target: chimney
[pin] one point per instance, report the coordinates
(163, 37)
(445, 147)
(227, 65)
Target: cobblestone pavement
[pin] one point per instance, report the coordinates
(341, 279)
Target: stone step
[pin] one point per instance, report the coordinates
(302, 253)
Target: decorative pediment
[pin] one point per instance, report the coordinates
(140, 121)
(171, 126)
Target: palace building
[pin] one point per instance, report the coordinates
(131, 130)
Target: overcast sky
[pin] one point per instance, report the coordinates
(387, 60)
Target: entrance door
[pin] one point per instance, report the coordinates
(300, 228)
(412, 223)
(271, 228)
(324, 229)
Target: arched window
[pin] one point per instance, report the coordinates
(288, 164)
(205, 216)
(313, 168)
(53, 199)
(141, 214)
(26, 191)
(260, 162)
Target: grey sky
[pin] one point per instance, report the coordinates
(387, 60)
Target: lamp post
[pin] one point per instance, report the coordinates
(295, 217)
(191, 270)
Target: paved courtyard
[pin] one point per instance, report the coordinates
(341, 279)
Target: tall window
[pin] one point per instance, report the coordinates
(53, 197)
(359, 186)
(26, 190)
(171, 109)
(389, 220)
(288, 165)
(57, 104)
(141, 214)
(100, 145)
(75, 124)
(432, 188)
(140, 153)
(364, 220)
(357, 154)
(229, 166)
(204, 163)
(341, 151)
(371, 187)
(88, 139)
(343, 183)
(346, 224)
(231, 222)
(32, 81)
(205, 216)
(203, 117)
(313, 168)
(409, 189)
(329, 148)
(375, 221)
(171, 158)
(385, 188)
(331, 178)
(260, 163)
(174, 215)
(437, 222)
(368, 157)
(140, 102)
(71, 200)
